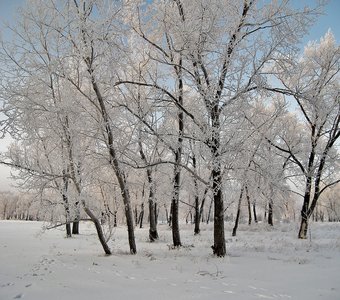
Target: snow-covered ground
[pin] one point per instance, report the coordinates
(262, 263)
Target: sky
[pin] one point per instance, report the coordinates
(330, 20)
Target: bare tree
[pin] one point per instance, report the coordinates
(312, 81)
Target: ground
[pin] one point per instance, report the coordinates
(262, 263)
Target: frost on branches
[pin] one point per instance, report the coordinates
(169, 103)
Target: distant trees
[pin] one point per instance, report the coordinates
(168, 101)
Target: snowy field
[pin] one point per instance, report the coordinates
(262, 263)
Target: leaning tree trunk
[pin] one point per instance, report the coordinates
(115, 164)
(141, 216)
(238, 213)
(99, 230)
(92, 216)
(209, 211)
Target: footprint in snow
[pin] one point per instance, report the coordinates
(19, 296)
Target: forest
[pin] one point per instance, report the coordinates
(138, 113)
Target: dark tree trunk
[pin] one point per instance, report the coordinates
(170, 216)
(304, 214)
(209, 211)
(197, 202)
(202, 209)
(249, 206)
(68, 230)
(238, 213)
(254, 211)
(136, 215)
(178, 157)
(197, 216)
(153, 234)
(141, 216)
(66, 204)
(175, 206)
(98, 229)
(175, 222)
(75, 227)
(115, 218)
(120, 175)
(270, 212)
(303, 228)
(219, 248)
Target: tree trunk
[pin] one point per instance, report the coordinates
(174, 213)
(120, 175)
(254, 211)
(153, 234)
(115, 218)
(270, 212)
(141, 216)
(75, 227)
(303, 228)
(219, 248)
(68, 230)
(249, 206)
(202, 206)
(170, 216)
(209, 212)
(66, 204)
(176, 186)
(98, 229)
(197, 216)
(304, 214)
(238, 213)
(197, 208)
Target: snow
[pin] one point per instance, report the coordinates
(262, 263)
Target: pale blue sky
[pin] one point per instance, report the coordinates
(330, 19)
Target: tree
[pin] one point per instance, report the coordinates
(40, 114)
(217, 51)
(312, 81)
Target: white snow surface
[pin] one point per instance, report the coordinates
(262, 263)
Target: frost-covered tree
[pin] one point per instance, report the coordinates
(312, 81)
(214, 52)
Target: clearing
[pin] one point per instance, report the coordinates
(262, 263)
